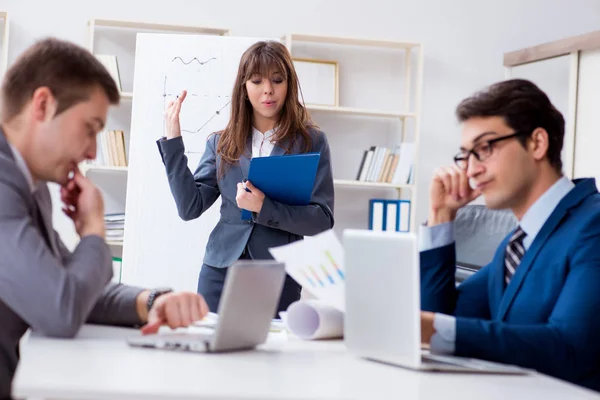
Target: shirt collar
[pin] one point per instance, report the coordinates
(540, 211)
(22, 165)
(258, 135)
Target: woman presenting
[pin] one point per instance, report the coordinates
(267, 119)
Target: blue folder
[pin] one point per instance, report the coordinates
(288, 179)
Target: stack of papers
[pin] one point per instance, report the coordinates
(115, 227)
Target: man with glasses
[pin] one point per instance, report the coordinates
(536, 303)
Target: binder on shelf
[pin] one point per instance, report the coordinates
(287, 179)
(377, 214)
(404, 213)
(389, 215)
(392, 216)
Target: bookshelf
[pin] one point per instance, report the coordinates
(4, 21)
(115, 37)
(406, 116)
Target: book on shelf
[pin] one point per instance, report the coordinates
(386, 165)
(365, 163)
(406, 158)
(110, 149)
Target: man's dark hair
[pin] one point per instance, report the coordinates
(68, 70)
(524, 108)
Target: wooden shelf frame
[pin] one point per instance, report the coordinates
(149, 26)
(411, 49)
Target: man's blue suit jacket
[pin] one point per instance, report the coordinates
(548, 317)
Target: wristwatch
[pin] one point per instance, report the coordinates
(155, 294)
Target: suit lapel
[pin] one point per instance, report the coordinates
(278, 150)
(44, 206)
(583, 189)
(496, 283)
(246, 157)
(280, 147)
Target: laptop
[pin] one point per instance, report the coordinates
(383, 318)
(248, 302)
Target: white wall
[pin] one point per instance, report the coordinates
(463, 39)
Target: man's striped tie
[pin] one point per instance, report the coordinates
(514, 253)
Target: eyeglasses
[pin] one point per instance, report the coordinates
(483, 150)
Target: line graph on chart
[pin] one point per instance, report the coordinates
(195, 59)
(206, 108)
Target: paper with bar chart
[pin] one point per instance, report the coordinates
(316, 263)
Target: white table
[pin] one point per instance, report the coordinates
(98, 364)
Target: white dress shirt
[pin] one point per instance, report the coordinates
(262, 145)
